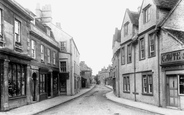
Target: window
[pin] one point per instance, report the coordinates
(151, 45)
(147, 83)
(42, 53)
(63, 66)
(181, 84)
(146, 14)
(42, 83)
(17, 31)
(33, 51)
(142, 48)
(16, 80)
(122, 55)
(126, 28)
(126, 84)
(54, 58)
(129, 53)
(28, 45)
(1, 21)
(48, 55)
(63, 46)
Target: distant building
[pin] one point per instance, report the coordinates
(104, 74)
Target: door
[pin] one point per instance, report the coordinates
(49, 85)
(1, 76)
(34, 86)
(172, 90)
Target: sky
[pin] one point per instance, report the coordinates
(91, 23)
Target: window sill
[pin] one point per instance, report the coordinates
(148, 94)
(18, 97)
(126, 91)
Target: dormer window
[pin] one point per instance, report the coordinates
(147, 13)
(63, 46)
(126, 28)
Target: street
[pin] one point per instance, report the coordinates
(94, 103)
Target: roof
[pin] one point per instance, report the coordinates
(134, 17)
(116, 36)
(178, 34)
(168, 4)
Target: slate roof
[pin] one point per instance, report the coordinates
(134, 17)
(168, 4)
(177, 33)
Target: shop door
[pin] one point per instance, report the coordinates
(172, 90)
(34, 86)
(49, 84)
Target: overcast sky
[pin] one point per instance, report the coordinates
(91, 23)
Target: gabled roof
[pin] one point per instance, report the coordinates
(167, 4)
(177, 33)
(134, 17)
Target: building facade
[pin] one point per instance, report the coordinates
(14, 61)
(151, 68)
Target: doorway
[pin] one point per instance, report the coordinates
(49, 84)
(34, 76)
(172, 90)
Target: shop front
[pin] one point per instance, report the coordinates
(63, 82)
(14, 71)
(173, 67)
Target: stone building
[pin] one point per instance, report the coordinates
(152, 65)
(44, 50)
(14, 61)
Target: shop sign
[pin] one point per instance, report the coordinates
(171, 57)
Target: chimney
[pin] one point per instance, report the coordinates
(138, 9)
(38, 11)
(46, 14)
(58, 25)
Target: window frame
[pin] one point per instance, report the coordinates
(1, 25)
(17, 40)
(54, 57)
(42, 51)
(147, 84)
(147, 14)
(126, 83)
(33, 49)
(129, 53)
(48, 56)
(126, 29)
(123, 56)
(42, 83)
(151, 38)
(63, 46)
(17, 72)
(63, 67)
(142, 42)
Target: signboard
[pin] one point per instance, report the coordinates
(170, 57)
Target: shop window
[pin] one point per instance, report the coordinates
(181, 84)
(147, 83)
(16, 80)
(1, 30)
(126, 84)
(55, 83)
(42, 83)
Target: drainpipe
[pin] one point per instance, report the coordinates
(118, 77)
(158, 54)
(135, 90)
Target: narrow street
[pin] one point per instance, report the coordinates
(93, 103)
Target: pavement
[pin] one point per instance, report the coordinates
(45, 104)
(143, 106)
